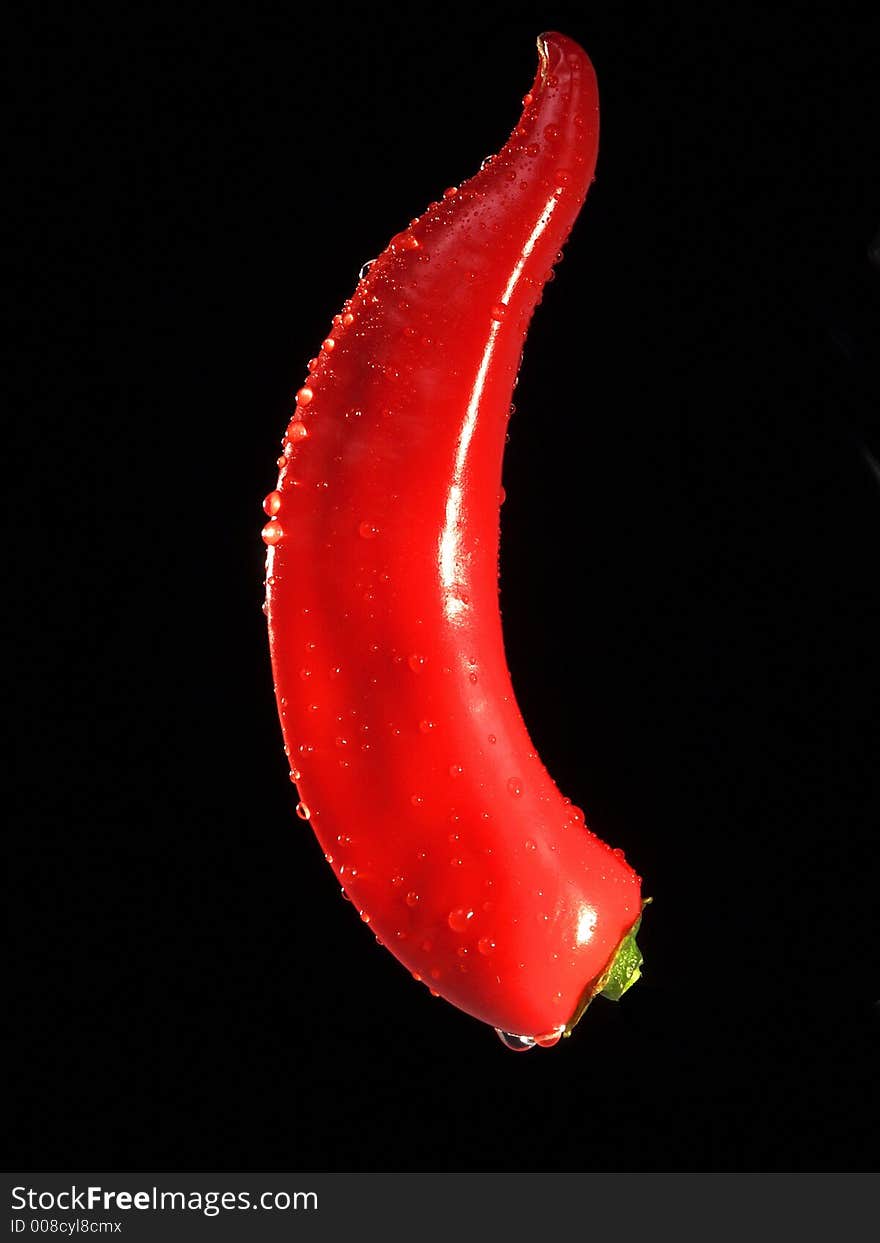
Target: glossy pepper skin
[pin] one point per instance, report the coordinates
(413, 764)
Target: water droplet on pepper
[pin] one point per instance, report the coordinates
(519, 1044)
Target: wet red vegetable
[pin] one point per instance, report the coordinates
(413, 764)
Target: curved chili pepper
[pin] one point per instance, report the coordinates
(413, 764)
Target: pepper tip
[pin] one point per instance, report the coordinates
(543, 56)
(552, 47)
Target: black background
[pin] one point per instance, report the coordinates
(692, 451)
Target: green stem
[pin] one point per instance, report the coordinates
(621, 973)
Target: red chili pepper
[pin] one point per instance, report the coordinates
(413, 764)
